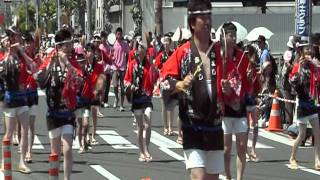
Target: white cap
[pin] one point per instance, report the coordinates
(287, 56)
(290, 42)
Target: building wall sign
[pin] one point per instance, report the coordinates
(303, 10)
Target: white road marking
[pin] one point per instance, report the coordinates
(162, 141)
(41, 92)
(104, 172)
(172, 154)
(36, 143)
(307, 169)
(258, 145)
(278, 138)
(115, 140)
(1, 175)
(75, 144)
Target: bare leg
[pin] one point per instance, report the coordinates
(179, 125)
(200, 174)
(170, 114)
(67, 152)
(85, 127)
(94, 124)
(164, 117)
(197, 174)
(79, 133)
(147, 131)
(241, 152)
(227, 154)
(316, 135)
(24, 121)
(140, 128)
(297, 142)
(31, 137)
(254, 132)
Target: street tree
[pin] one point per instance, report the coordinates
(22, 18)
(48, 13)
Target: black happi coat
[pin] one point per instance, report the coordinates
(198, 110)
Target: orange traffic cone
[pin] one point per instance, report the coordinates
(275, 119)
(6, 153)
(54, 167)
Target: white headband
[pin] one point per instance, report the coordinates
(65, 41)
(199, 12)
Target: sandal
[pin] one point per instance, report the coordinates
(142, 158)
(293, 164)
(179, 140)
(28, 159)
(170, 133)
(148, 158)
(24, 170)
(82, 150)
(94, 142)
(165, 132)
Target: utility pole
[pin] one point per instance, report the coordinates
(122, 14)
(89, 18)
(59, 14)
(27, 19)
(158, 17)
(37, 2)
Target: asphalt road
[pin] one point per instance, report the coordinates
(116, 155)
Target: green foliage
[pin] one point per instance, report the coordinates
(21, 13)
(68, 6)
(137, 17)
(48, 10)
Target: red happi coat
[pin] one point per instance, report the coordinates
(314, 76)
(148, 80)
(172, 67)
(47, 78)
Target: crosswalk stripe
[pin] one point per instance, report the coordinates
(258, 145)
(104, 172)
(171, 153)
(277, 138)
(307, 169)
(162, 141)
(75, 144)
(41, 92)
(1, 175)
(115, 140)
(36, 143)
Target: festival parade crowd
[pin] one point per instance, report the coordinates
(221, 86)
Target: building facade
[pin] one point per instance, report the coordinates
(279, 18)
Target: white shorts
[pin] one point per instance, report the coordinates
(234, 125)
(14, 112)
(33, 110)
(66, 129)
(82, 113)
(251, 108)
(304, 120)
(212, 161)
(139, 112)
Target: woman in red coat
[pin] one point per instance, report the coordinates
(139, 79)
